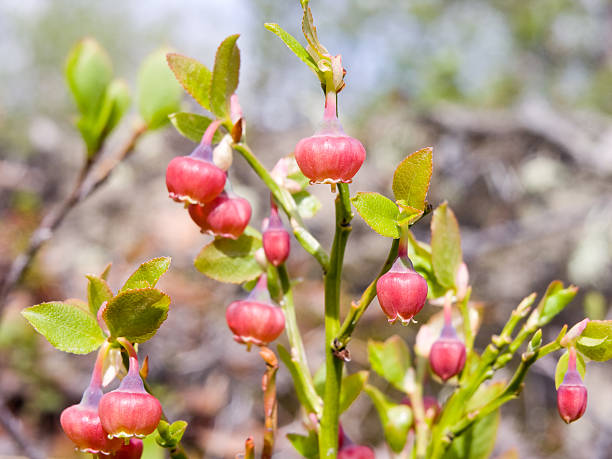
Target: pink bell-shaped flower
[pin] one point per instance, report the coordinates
(130, 411)
(194, 179)
(572, 393)
(330, 156)
(275, 238)
(227, 215)
(133, 450)
(255, 320)
(447, 354)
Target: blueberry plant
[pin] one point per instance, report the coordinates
(460, 422)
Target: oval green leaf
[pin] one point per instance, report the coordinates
(411, 178)
(596, 340)
(225, 76)
(229, 260)
(136, 314)
(193, 126)
(193, 76)
(379, 212)
(446, 253)
(391, 360)
(98, 292)
(147, 274)
(159, 94)
(67, 327)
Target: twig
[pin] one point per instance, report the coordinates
(13, 428)
(89, 180)
(268, 385)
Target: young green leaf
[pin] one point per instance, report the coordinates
(446, 253)
(67, 327)
(169, 435)
(294, 46)
(420, 255)
(391, 360)
(554, 301)
(307, 446)
(596, 340)
(106, 272)
(307, 204)
(225, 75)
(562, 365)
(116, 102)
(136, 314)
(478, 441)
(88, 71)
(193, 76)
(159, 94)
(352, 385)
(395, 419)
(147, 274)
(411, 178)
(379, 212)
(193, 126)
(98, 292)
(229, 260)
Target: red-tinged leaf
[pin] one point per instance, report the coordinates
(411, 178)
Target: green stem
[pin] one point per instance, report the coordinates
(328, 435)
(511, 391)
(454, 407)
(418, 409)
(357, 309)
(298, 353)
(286, 201)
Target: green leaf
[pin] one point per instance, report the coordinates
(159, 94)
(294, 46)
(478, 441)
(98, 292)
(67, 327)
(307, 204)
(600, 332)
(409, 214)
(193, 76)
(136, 314)
(412, 176)
(106, 271)
(379, 212)
(147, 274)
(225, 75)
(554, 301)
(307, 446)
(88, 71)
(229, 260)
(391, 360)
(395, 419)
(193, 126)
(169, 435)
(485, 394)
(446, 253)
(352, 386)
(562, 365)
(116, 102)
(420, 255)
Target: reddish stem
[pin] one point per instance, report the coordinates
(210, 132)
(330, 112)
(448, 316)
(96, 374)
(571, 363)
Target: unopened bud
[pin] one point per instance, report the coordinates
(223, 153)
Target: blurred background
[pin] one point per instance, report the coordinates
(515, 98)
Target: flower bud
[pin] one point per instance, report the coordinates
(226, 216)
(572, 393)
(223, 154)
(133, 450)
(275, 238)
(255, 320)
(82, 425)
(194, 179)
(330, 156)
(402, 292)
(130, 410)
(447, 355)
